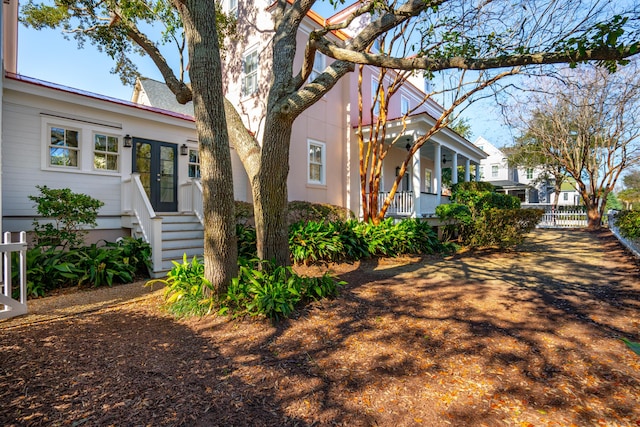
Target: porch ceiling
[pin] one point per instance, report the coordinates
(416, 126)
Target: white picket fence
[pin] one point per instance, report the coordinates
(10, 307)
(564, 218)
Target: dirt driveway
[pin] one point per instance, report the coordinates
(527, 338)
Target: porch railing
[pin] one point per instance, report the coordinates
(402, 203)
(10, 307)
(192, 198)
(149, 224)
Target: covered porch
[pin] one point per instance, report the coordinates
(443, 160)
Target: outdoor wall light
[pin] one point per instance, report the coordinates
(127, 140)
(408, 146)
(397, 170)
(184, 150)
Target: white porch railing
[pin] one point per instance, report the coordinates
(10, 307)
(136, 201)
(192, 198)
(402, 203)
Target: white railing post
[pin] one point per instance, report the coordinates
(197, 201)
(149, 223)
(11, 307)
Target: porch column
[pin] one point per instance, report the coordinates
(416, 184)
(437, 172)
(467, 170)
(477, 172)
(454, 168)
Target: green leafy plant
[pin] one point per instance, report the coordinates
(480, 217)
(187, 290)
(246, 241)
(104, 265)
(628, 222)
(273, 291)
(69, 212)
(634, 346)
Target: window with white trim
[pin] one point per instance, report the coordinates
(375, 99)
(233, 8)
(250, 73)
(106, 152)
(194, 163)
(64, 147)
(316, 165)
(404, 105)
(319, 64)
(494, 171)
(428, 181)
(481, 172)
(529, 173)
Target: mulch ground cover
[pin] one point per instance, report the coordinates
(523, 338)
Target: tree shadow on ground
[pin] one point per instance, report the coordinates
(479, 339)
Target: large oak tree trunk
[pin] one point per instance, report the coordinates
(269, 190)
(220, 249)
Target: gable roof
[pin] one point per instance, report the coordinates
(156, 94)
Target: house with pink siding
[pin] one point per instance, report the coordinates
(140, 157)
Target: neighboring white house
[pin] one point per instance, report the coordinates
(525, 183)
(141, 158)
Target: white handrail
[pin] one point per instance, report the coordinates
(11, 307)
(197, 200)
(150, 224)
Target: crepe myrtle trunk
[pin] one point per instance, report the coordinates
(220, 249)
(269, 190)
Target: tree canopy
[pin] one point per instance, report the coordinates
(586, 125)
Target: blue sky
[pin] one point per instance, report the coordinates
(47, 55)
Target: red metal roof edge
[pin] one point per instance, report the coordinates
(92, 95)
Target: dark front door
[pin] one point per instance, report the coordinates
(156, 162)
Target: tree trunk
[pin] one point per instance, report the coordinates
(594, 218)
(220, 249)
(269, 191)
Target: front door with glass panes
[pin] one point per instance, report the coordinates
(156, 162)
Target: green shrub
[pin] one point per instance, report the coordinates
(503, 228)
(69, 211)
(297, 211)
(246, 241)
(50, 268)
(307, 211)
(261, 289)
(389, 238)
(481, 217)
(316, 241)
(187, 290)
(273, 291)
(628, 222)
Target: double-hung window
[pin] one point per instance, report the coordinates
(319, 64)
(494, 171)
(250, 73)
(529, 173)
(233, 8)
(64, 147)
(194, 164)
(428, 181)
(375, 96)
(316, 163)
(404, 105)
(106, 152)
